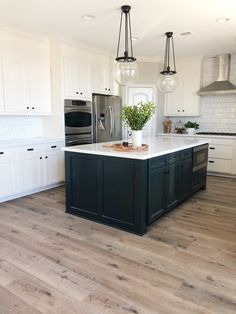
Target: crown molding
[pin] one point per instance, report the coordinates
(23, 34)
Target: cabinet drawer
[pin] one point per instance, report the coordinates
(219, 165)
(221, 141)
(27, 149)
(172, 158)
(7, 152)
(54, 146)
(185, 154)
(220, 151)
(157, 163)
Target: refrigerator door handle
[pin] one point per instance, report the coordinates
(111, 121)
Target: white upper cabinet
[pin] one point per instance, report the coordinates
(40, 89)
(102, 82)
(16, 86)
(27, 88)
(77, 79)
(184, 101)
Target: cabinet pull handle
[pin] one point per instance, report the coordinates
(211, 161)
(54, 146)
(30, 149)
(212, 147)
(1, 153)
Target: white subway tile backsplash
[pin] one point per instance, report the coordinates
(20, 127)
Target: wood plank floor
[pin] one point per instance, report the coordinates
(52, 262)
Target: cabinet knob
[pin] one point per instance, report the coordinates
(32, 107)
(178, 110)
(40, 157)
(81, 93)
(27, 107)
(1, 153)
(46, 157)
(105, 88)
(183, 110)
(211, 161)
(109, 89)
(77, 93)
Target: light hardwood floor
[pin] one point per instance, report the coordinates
(52, 262)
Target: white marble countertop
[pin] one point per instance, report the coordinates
(28, 141)
(198, 135)
(158, 146)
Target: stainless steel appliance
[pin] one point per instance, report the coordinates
(106, 118)
(78, 122)
(200, 157)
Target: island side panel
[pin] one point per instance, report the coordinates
(118, 190)
(82, 185)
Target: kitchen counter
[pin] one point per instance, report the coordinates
(28, 141)
(131, 190)
(198, 135)
(158, 146)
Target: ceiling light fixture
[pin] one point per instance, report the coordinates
(126, 69)
(185, 33)
(88, 17)
(222, 20)
(168, 80)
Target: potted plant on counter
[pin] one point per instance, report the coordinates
(191, 127)
(135, 117)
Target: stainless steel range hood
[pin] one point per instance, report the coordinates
(222, 85)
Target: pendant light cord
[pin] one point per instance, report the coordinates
(118, 46)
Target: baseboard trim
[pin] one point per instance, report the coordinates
(26, 193)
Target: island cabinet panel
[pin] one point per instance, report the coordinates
(109, 190)
(156, 188)
(82, 185)
(185, 179)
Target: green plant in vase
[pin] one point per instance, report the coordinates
(191, 127)
(136, 117)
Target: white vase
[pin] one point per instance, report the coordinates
(190, 131)
(137, 138)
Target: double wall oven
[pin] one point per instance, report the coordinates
(78, 122)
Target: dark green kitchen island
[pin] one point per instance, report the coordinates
(131, 190)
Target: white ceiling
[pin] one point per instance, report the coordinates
(150, 20)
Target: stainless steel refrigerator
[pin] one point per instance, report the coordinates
(106, 118)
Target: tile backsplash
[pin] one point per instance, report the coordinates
(217, 113)
(20, 127)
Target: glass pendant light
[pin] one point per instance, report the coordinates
(126, 69)
(168, 80)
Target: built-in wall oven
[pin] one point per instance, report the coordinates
(78, 122)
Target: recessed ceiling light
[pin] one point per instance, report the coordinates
(135, 38)
(222, 20)
(185, 33)
(88, 17)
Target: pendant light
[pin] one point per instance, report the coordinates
(168, 80)
(126, 69)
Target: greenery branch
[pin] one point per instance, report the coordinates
(135, 117)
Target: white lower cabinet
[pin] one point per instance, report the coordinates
(8, 172)
(31, 168)
(53, 168)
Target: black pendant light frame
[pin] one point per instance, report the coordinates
(125, 10)
(166, 68)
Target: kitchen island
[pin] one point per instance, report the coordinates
(130, 190)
